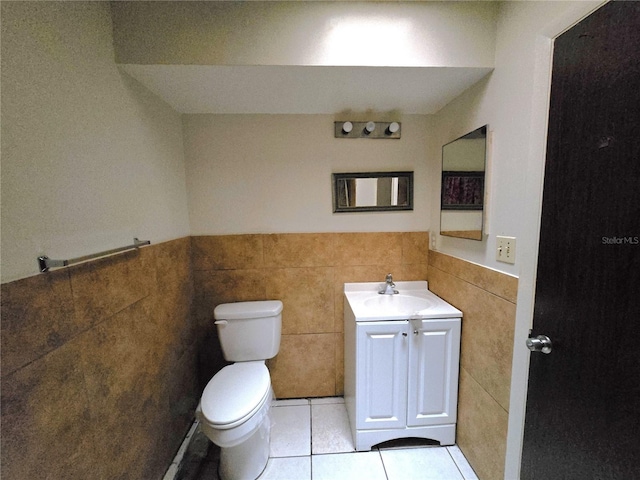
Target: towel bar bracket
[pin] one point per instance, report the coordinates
(45, 263)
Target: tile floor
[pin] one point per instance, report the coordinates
(311, 439)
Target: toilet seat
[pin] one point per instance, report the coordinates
(235, 394)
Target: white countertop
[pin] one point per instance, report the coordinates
(413, 301)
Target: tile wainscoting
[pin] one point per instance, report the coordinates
(488, 300)
(307, 272)
(103, 363)
(98, 366)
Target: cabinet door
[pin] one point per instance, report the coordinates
(433, 372)
(381, 395)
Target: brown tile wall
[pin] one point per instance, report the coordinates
(98, 367)
(488, 301)
(99, 361)
(306, 272)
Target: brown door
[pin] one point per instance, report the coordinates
(583, 405)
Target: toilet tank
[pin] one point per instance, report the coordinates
(249, 330)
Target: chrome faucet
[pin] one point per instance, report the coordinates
(389, 286)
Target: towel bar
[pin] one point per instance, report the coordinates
(45, 263)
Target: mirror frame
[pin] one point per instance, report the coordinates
(337, 177)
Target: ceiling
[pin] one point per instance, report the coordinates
(305, 89)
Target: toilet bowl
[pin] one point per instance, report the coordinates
(234, 414)
(235, 404)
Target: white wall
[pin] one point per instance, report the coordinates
(453, 34)
(272, 174)
(90, 158)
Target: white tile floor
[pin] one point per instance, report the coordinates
(311, 439)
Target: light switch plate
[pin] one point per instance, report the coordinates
(506, 249)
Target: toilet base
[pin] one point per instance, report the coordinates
(247, 460)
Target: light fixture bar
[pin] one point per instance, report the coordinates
(348, 129)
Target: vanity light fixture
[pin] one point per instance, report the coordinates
(347, 129)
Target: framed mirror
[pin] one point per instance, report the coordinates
(372, 191)
(463, 178)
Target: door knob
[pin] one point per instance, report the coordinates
(541, 343)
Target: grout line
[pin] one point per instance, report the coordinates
(310, 430)
(179, 456)
(310, 441)
(289, 456)
(484, 389)
(384, 468)
(456, 464)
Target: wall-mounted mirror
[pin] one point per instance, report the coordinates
(372, 191)
(463, 174)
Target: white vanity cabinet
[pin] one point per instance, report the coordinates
(401, 378)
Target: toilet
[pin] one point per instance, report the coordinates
(234, 408)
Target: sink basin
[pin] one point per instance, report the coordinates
(414, 301)
(400, 304)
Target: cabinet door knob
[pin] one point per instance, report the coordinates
(404, 334)
(416, 332)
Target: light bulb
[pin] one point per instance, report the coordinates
(393, 128)
(369, 127)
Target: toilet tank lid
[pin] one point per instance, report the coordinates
(232, 311)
